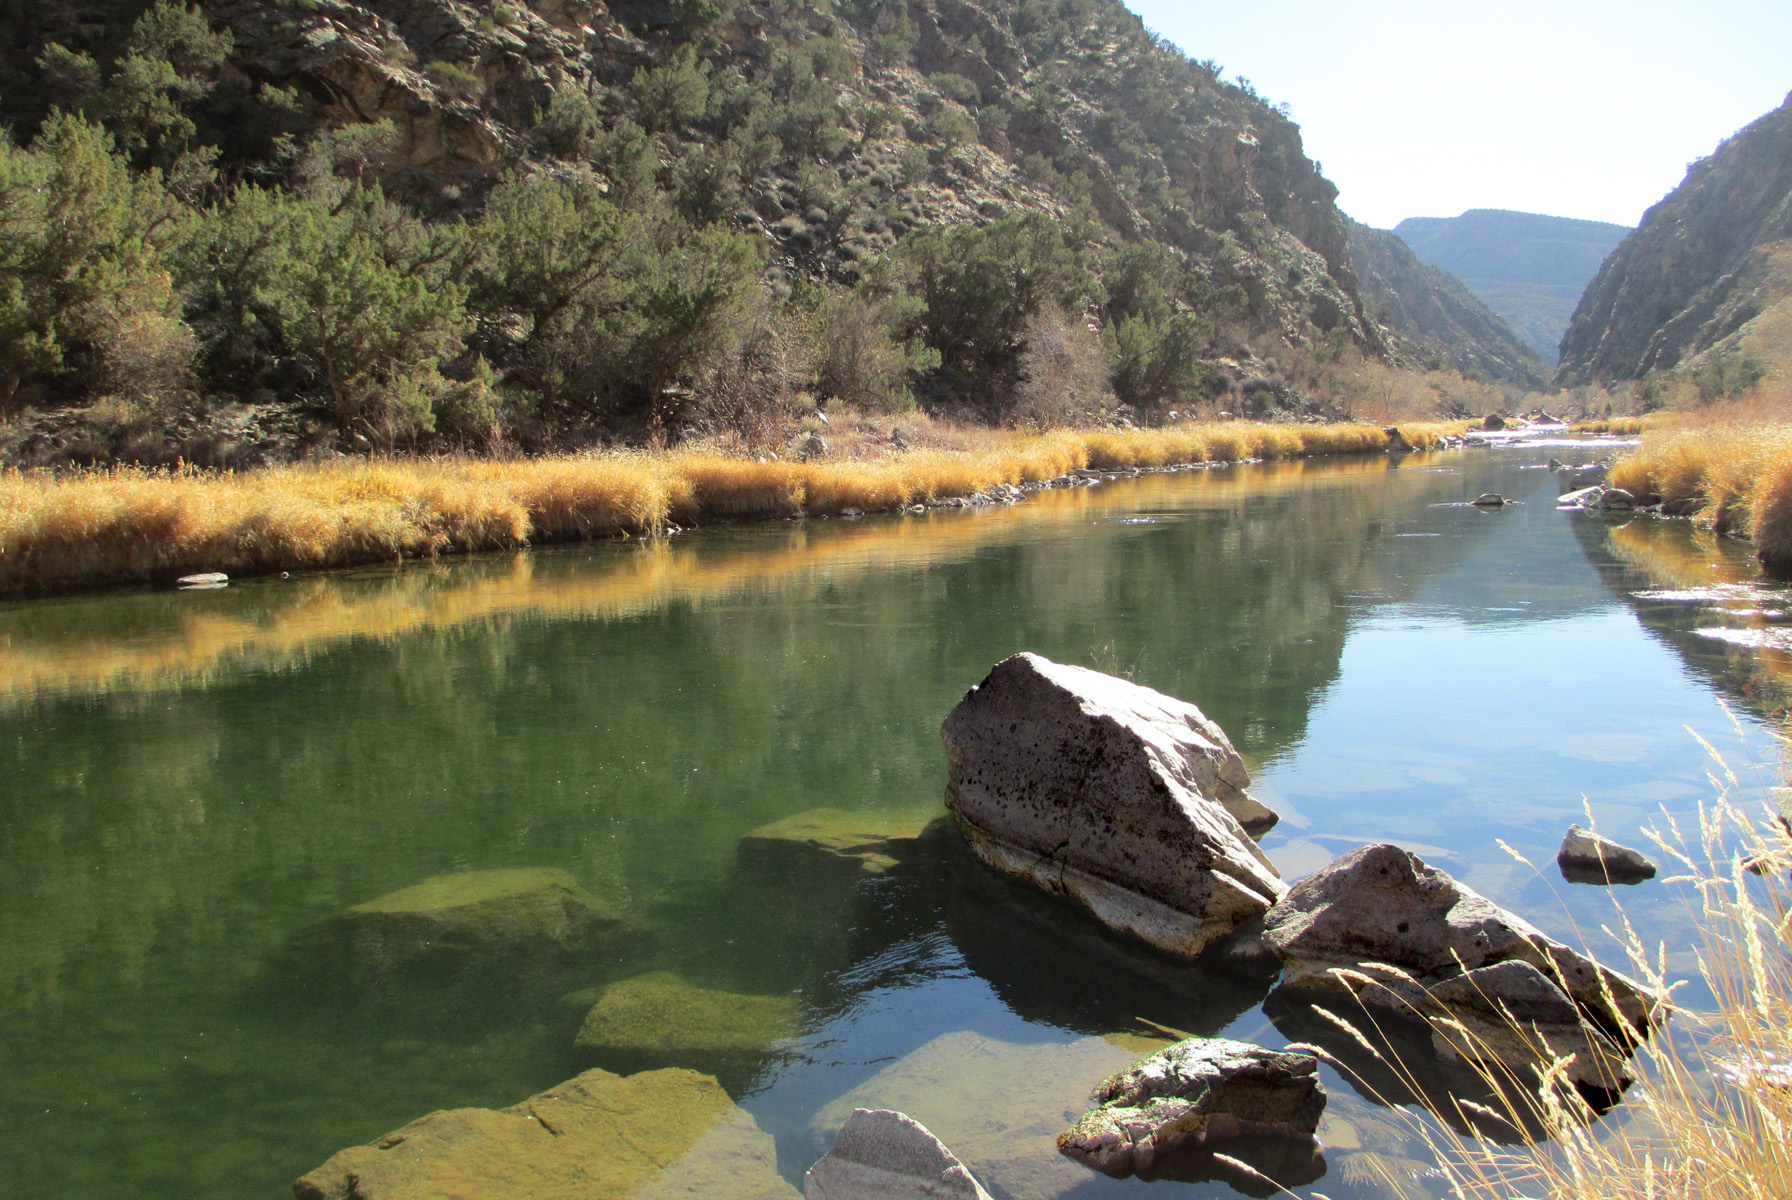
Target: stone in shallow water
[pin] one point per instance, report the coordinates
(1000, 1106)
(870, 842)
(884, 1155)
(1393, 933)
(472, 923)
(653, 1136)
(1193, 1094)
(1588, 857)
(1124, 799)
(661, 1014)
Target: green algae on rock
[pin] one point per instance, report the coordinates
(463, 924)
(663, 1015)
(599, 1136)
(871, 842)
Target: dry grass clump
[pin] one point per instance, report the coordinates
(1711, 1111)
(117, 526)
(1737, 477)
(1626, 426)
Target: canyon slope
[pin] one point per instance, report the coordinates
(1708, 273)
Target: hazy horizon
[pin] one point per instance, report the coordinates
(1592, 109)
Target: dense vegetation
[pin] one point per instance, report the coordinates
(428, 224)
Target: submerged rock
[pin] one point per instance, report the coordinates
(870, 842)
(884, 1155)
(662, 1015)
(476, 922)
(1381, 926)
(599, 1136)
(1588, 857)
(1191, 1094)
(998, 1105)
(1131, 802)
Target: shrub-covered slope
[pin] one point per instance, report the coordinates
(1713, 258)
(1434, 317)
(434, 222)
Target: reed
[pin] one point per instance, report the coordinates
(1711, 1110)
(1734, 476)
(130, 525)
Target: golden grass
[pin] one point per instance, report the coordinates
(1711, 1111)
(1627, 426)
(117, 526)
(1738, 477)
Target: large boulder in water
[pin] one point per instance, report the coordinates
(1125, 799)
(661, 1015)
(1396, 934)
(509, 924)
(1191, 1094)
(652, 1136)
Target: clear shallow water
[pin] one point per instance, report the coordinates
(188, 779)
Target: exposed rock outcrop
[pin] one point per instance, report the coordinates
(1124, 799)
(1712, 256)
(1193, 1093)
(1589, 857)
(1436, 320)
(884, 1155)
(1381, 926)
(599, 1136)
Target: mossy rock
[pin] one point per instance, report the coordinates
(652, 1136)
(867, 843)
(513, 924)
(663, 1016)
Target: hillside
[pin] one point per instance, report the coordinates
(1527, 267)
(582, 221)
(1435, 318)
(1706, 276)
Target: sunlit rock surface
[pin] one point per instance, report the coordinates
(884, 1155)
(652, 1136)
(1393, 933)
(1131, 802)
(1193, 1094)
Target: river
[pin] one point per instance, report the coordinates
(191, 777)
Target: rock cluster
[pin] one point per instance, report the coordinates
(1130, 802)
(1382, 927)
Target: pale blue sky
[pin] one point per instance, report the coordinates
(1578, 108)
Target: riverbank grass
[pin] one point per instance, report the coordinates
(127, 525)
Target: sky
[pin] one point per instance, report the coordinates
(1575, 108)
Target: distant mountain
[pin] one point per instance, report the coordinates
(1527, 267)
(1703, 268)
(1434, 318)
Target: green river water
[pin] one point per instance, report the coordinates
(188, 778)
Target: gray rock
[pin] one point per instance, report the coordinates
(207, 579)
(1587, 497)
(1192, 1094)
(1124, 799)
(884, 1155)
(1614, 499)
(815, 446)
(1588, 857)
(1489, 500)
(1380, 925)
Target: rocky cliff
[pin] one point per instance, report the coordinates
(1709, 261)
(1435, 319)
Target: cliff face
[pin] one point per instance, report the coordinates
(1527, 267)
(1434, 317)
(1708, 260)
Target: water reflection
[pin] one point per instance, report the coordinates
(193, 778)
